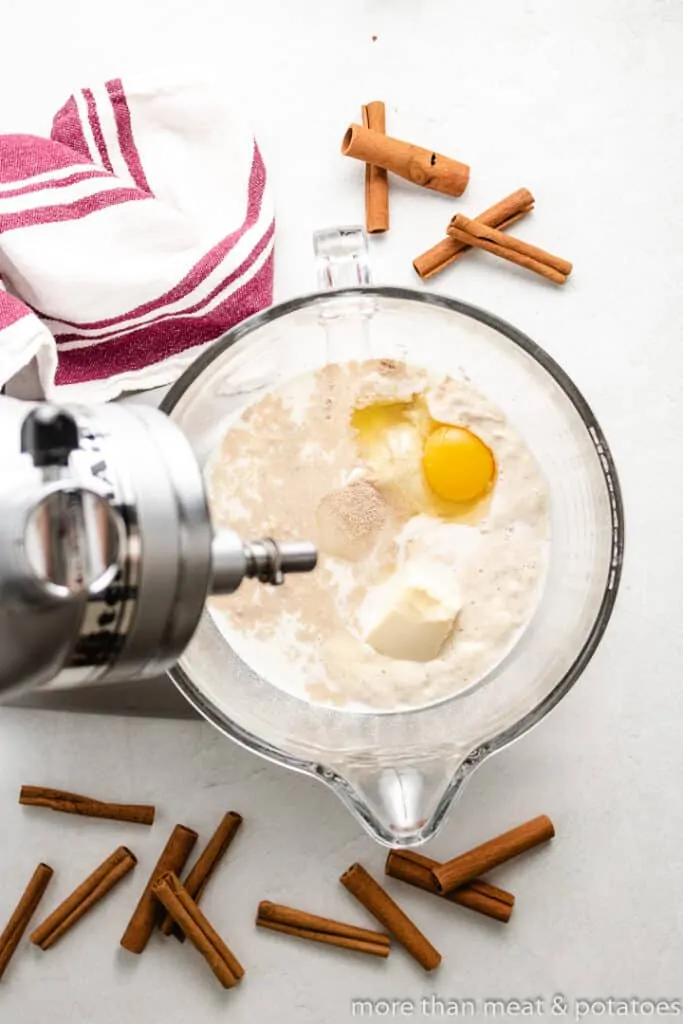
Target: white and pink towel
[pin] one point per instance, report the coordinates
(132, 238)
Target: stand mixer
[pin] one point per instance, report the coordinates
(107, 552)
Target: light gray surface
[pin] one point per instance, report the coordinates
(578, 102)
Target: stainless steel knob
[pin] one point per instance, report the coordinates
(71, 542)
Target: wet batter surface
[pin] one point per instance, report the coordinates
(336, 457)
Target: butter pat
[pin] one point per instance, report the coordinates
(411, 616)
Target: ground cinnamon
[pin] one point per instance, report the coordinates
(185, 912)
(416, 869)
(84, 898)
(373, 115)
(380, 904)
(501, 215)
(460, 870)
(554, 268)
(207, 862)
(73, 803)
(421, 166)
(148, 913)
(321, 929)
(24, 911)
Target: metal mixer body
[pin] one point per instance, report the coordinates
(107, 552)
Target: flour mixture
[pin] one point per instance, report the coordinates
(431, 518)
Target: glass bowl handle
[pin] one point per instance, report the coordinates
(343, 262)
(342, 258)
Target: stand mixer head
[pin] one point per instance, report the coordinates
(107, 552)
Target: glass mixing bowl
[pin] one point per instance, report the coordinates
(400, 772)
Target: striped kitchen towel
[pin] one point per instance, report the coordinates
(132, 238)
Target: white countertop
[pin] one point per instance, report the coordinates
(578, 102)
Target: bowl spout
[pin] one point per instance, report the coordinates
(400, 805)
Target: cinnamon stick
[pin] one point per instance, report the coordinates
(185, 912)
(207, 862)
(321, 929)
(24, 911)
(421, 166)
(82, 899)
(460, 870)
(473, 227)
(509, 248)
(501, 215)
(148, 913)
(373, 115)
(73, 803)
(415, 869)
(380, 904)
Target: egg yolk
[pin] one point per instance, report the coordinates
(457, 465)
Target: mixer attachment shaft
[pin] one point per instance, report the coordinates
(267, 560)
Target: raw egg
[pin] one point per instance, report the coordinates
(390, 439)
(457, 465)
(421, 465)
